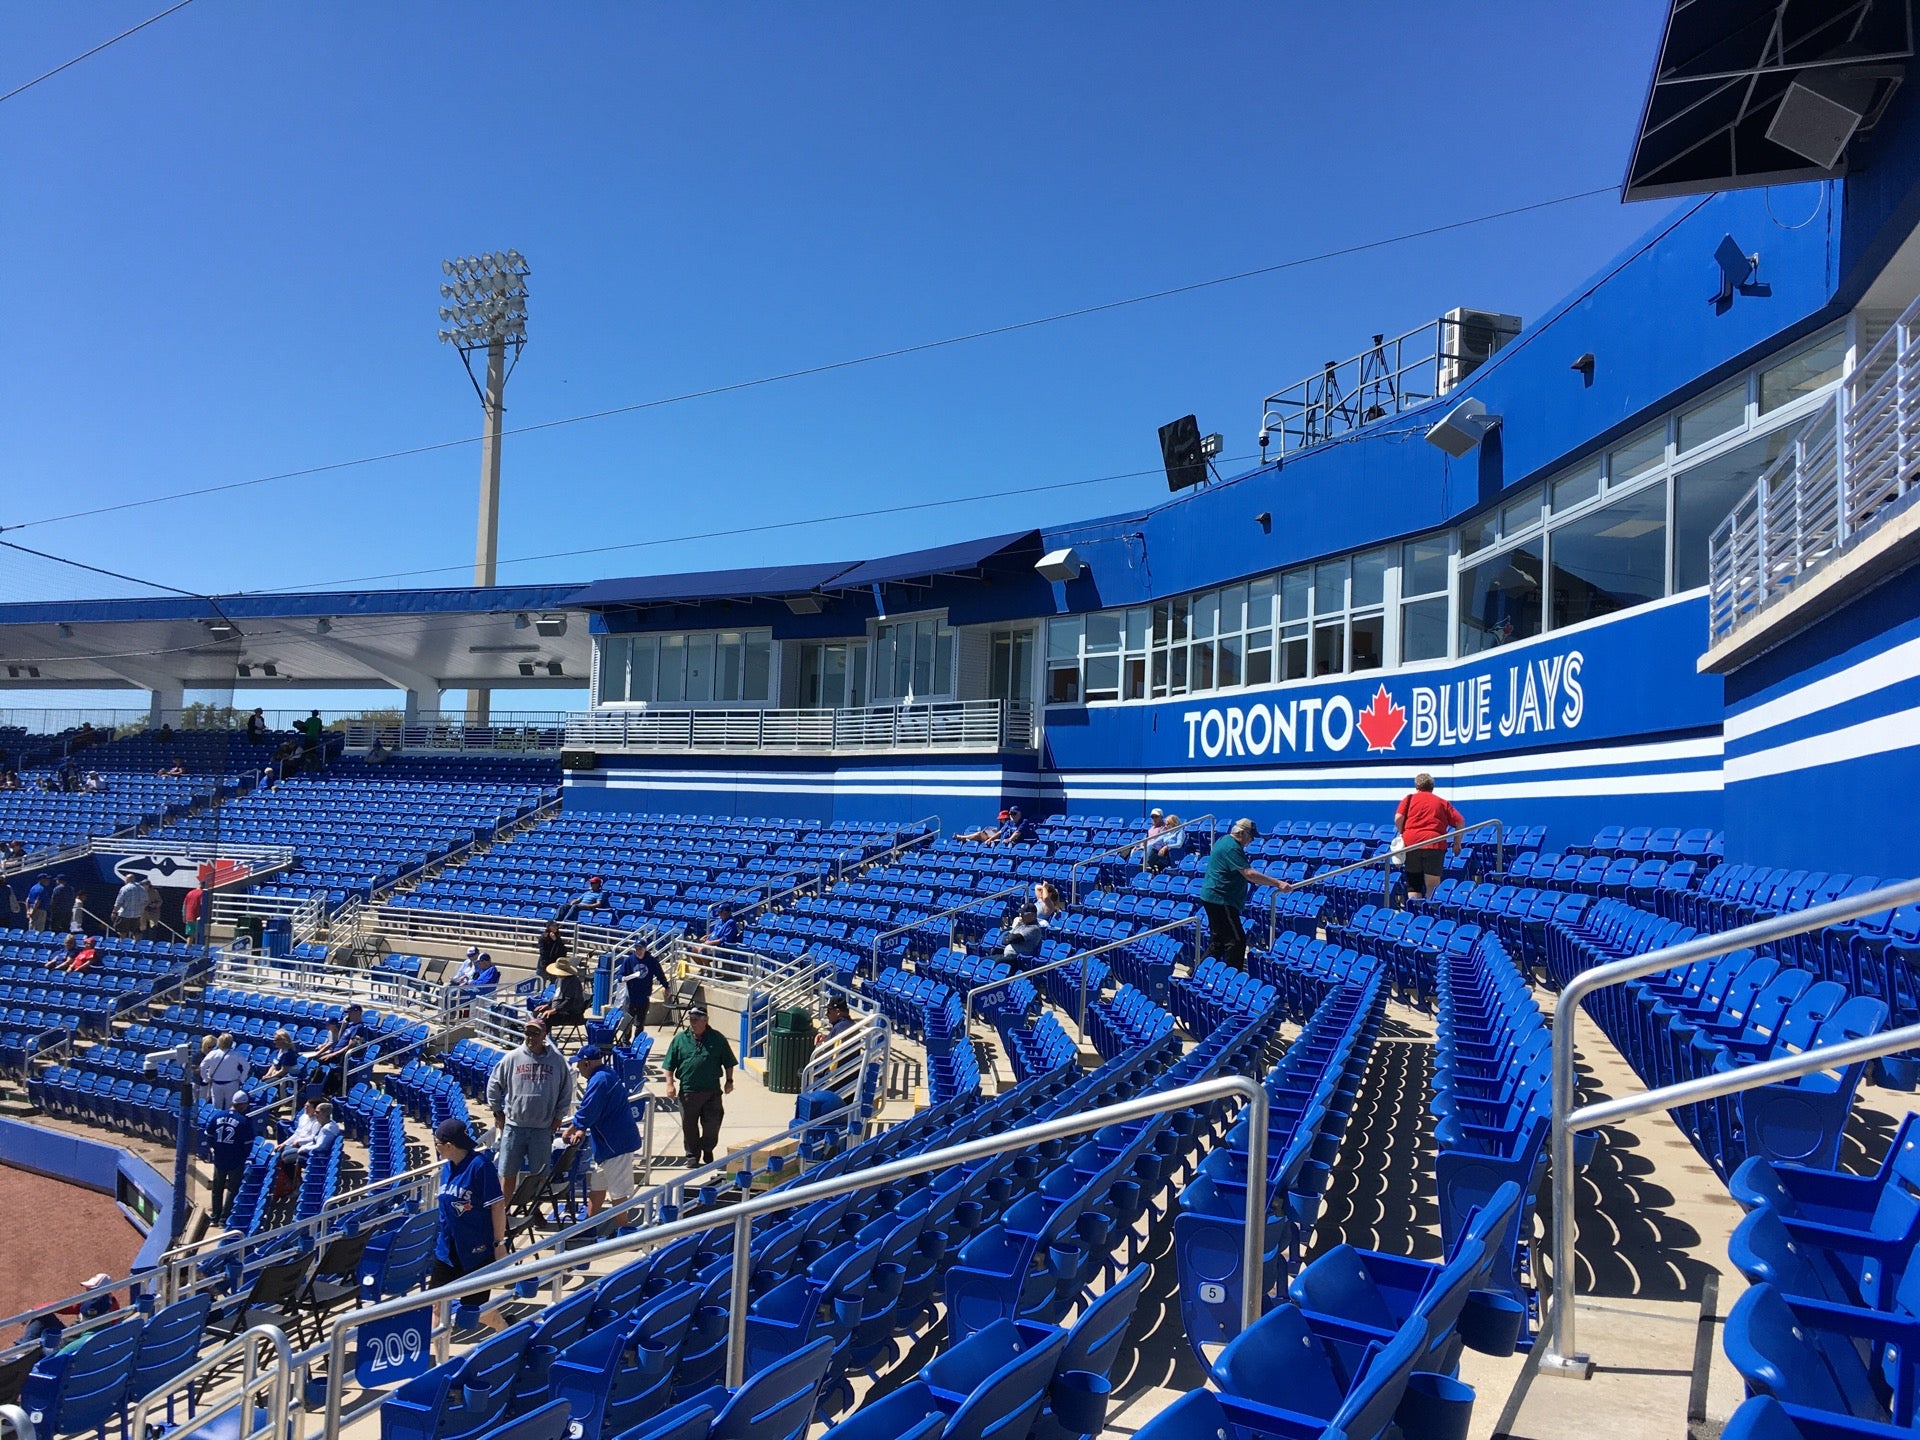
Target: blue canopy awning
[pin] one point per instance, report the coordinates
(694, 587)
(964, 557)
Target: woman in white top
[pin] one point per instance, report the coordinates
(1048, 903)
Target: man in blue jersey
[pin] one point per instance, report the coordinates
(37, 896)
(230, 1135)
(606, 1116)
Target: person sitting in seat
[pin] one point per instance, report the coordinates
(723, 929)
(334, 1059)
(1165, 835)
(285, 1060)
(314, 1129)
(1023, 937)
(592, 903)
(85, 953)
(569, 1004)
(1015, 830)
(987, 834)
(468, 967)
(1048, 903)
(838, 1021)
(174, 769)
(486, 977)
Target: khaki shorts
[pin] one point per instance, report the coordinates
(615, 1177)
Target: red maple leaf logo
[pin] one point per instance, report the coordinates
(1382, 721)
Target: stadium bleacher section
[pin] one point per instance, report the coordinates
(1021, 1266)
(359, 828)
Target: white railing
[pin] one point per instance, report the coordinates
(503, 735)
(418, 999)
(935, 725)
(308, 912)
(1850, 468)
(840, 1063)
(403, 924)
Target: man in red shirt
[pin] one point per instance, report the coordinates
(190, 909)
(1420, 820)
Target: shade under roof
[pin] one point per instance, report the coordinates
(1727, 67)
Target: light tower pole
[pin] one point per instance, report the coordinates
(486, 310)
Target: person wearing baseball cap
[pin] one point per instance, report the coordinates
(473, 1211)
(694, 1065)
(605, 1115)
(1224, 890)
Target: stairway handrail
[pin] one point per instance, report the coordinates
(1560, 1356)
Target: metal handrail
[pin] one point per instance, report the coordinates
(1073, 873)
(742, 1216)
(947, 914)
(1560, 1356)
(277, 1380)
(1386, 859)
(966, 1003)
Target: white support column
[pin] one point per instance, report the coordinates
(164, 703)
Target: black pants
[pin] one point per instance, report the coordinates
(446, 1272)
(1226, 936)
(701, 1112)
(226, 1184)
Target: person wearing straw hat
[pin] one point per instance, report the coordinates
(569, 1004)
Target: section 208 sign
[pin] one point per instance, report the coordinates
(1618, 680)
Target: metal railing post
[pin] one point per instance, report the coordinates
(1561, 1356)
(737, 1301)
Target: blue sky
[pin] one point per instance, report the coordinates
(223, 239)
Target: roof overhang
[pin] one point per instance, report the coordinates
(409, 639)
(1765, 92)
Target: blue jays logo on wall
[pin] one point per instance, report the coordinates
(1534, 697)
(174, 872)
(1620, 679)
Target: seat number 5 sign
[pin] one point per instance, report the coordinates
(395, 1348)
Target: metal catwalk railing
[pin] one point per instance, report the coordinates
(1850, 468)
(968, 725)
(1562, 1355)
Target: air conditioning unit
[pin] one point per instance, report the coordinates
(1470, 338)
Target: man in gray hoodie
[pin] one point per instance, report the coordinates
(529, 1092)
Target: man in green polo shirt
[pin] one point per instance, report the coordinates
(1224, 891)
(694, 1064)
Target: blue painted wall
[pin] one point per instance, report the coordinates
(1604, 723)
(94, 1165)
(1823, 742)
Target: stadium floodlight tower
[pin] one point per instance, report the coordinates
(486, 310)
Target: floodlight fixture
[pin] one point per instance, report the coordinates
(556, 669)
(485, 312)
(1463, 427)
(550, 624)
(526, 668)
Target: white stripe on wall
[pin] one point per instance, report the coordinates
(1878, 736)
(1876, 672)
